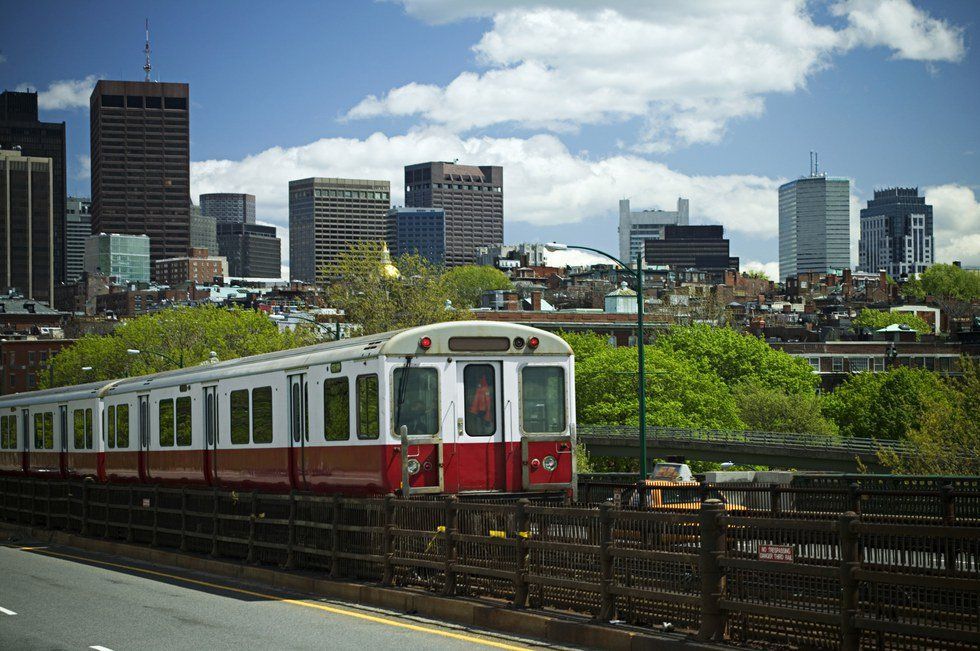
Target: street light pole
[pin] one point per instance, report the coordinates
(641, 366)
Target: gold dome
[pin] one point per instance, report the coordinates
(388, 270)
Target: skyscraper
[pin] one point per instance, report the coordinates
(638, 226)
(27, 225)
(327, 215)
(20, 127)
(229, 207)
(814, 225)
(204, 231)
(418, 231)
(896, 233)
(692, 247)
(78, 228)
(141, 163)
(123, 257)
(252, 250)
(472, 198)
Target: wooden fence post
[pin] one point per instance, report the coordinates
(214, 522)
(949, 519)
(154, 539)
(450, 522)
(713, 547)
(607, 610)
(129, 516)
(386, 539)
(47, 504)
(523, 533)
(84, 508)
(850, 560)
(854, 495)
(106, 501)
(32, 519)
(335, 539)
(291, 532)
(251, 528)
(775, 500)
(183, 519)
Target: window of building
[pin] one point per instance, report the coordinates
(154, 102)
(239, 415)
(166, 413)
(184, 432)
(859, 364)
(368, 417)
(262, 415)
(838, 364)
(879, 364)
(814, 363)
(415, 400)
(543, 399)
(336, 409)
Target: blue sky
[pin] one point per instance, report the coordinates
(582, 102)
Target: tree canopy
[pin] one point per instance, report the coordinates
(466, 283)
(771, 410)
(878, 319)
(945, 282)
(170, 339)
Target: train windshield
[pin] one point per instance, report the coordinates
(415, 400)
(543, 399)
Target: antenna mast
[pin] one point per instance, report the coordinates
(146, 66)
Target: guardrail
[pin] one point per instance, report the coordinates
(719, 574)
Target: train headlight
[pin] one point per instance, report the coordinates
(519, 342)
(413, 466)
(549, 463)
(533, 342)
(425, 343)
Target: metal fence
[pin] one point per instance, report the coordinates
(752, 578)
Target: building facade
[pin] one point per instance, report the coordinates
(814, 226)
(252, 251)
(78, 228)
(27, 225)
(204, 231)
(229, 207)
(327, 215)
(123, 257)
(511, 256)
(692, 247)
(418, 231)
(20, 127)
(638, 226)
(140, 143)
(472, 198)
(197, 267)
(896, 233)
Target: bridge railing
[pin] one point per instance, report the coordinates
(714, 572)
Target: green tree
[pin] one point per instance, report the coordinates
(885, 405)
(946, 440)
(170, 339)
(763, 408)
(585, 344)
(735, 357)
(466, 283)
(755, 273)
(381, 295)
(912, 290)
(877, 319)
(950, 282)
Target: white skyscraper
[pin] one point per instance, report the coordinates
(637, 226)
(814, 226)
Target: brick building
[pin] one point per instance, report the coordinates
(24, 359)
(196, 267)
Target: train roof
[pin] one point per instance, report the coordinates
(57, 394)
(396, 343)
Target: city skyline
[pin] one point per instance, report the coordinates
(570, 157)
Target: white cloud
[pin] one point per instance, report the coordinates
(545, 184)
(83, 167)
(956, 223)
(64, 94)
(685, 69)
(574, 258)
(771, 269)
(3, 58)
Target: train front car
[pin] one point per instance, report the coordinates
(478, 407)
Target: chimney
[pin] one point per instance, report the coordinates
(730, 278)
(536, 301)
(511, 303)
(882, 279)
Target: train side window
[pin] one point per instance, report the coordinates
(368, 425)
(38, 431)
(78, 417)
(166, 408)
(336, 409)
(49, 430)
(4, 445)
(542, 399)
(88, 430)
(480, 399)
(184, 421)
(122, 426)
(415, 400)
(262, 415)
(238, 404)
(110, 427)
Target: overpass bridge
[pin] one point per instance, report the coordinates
(774, 449)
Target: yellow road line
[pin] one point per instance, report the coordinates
(295, 602)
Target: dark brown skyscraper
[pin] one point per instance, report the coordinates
(26, 225)
(472, 198)
(20, 127)
(141, 163)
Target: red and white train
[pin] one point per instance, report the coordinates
(449, 408)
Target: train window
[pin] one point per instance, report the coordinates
(78, 417)
(88, 430)
(368, 426)
(4, 440)
(166, 408)
(122, 426)
(336, 409)
(480, 399)
(49, 430)
(415, 400)
(262, 415)
(184, 421)
(543, 399)
(38, 431)
(110, 427)
(239, 417)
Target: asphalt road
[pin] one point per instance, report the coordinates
(61, 598)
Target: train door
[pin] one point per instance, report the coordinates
(144, 438)
(426, 436)
(481, 450)
(63, 442)
(25, 417)
(211, 435)
(299, 429)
